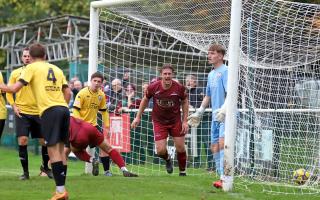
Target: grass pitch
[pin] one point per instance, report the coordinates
(83, 187)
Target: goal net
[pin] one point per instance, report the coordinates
(279, 108)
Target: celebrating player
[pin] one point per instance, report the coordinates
(168, 96)
(88, 102)
(82, 134)
(51, 92)
(27, 120)
(216, 92)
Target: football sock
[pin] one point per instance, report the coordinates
(216, 156)
(106, 162)
(58, 174)
(123, 169)
(65, 167)
(116, 157)
(221, 152)
(60, 189)
(83, 155)
(45, 157)
(23, 155)
(182, 160)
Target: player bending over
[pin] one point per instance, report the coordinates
(82, 134)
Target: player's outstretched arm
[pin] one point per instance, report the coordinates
(12, 88)
(142, 107)
(195, 118)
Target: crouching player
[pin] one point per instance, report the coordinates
(82, 134)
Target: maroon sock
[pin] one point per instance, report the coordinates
(182, 160)
(83, 155)
(116, 157)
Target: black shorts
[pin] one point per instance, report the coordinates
(55, 125)
(28, 124)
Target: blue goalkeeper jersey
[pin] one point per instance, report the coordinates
(217, 87)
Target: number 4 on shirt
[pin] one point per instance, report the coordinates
(50, 76)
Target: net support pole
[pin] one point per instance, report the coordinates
(93, 40)
(95, 8)
(232, 95)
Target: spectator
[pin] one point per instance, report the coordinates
(196, 96)
(146, 128)
(126, 78)
(115, 98)
(131, 100)
(77, 86)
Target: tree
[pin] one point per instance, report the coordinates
(14, 12)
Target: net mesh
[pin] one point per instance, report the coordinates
(278, 120)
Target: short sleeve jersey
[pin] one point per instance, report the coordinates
(217, 87)
(46, 82)
(166, 103)
(89, 103)
(3, 109)
(24, 98)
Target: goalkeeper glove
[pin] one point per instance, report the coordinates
(194, 119)
(221, 113)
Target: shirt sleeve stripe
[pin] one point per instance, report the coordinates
(76, 107)
(23, 81)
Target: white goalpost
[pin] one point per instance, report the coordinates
(273, 113)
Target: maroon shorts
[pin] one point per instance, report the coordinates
(88, 136)
(161, 131)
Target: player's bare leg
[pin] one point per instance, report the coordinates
(116, 157)
(161, 146)
(217, 150)
(179, 143)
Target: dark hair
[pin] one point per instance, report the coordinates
(218, 48)
(97, 75)
(37, 50)
(26, 49)
(166, 66)
(132, 86)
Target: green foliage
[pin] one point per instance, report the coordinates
(14, 12)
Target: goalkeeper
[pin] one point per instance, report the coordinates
(216, 92)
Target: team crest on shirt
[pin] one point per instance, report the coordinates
(100, 98)
(76, 102)
(219, 74)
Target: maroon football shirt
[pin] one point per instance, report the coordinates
(166, 103)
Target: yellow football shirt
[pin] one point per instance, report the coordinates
(24, 98)
(3, 109)
(88, 103)
(46, 81)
